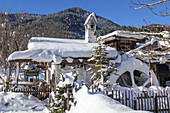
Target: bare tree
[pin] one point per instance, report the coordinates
(158, 7)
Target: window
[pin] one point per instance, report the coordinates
(92, 26)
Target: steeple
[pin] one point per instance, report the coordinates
(90, 28)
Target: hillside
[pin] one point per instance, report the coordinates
(54, 25)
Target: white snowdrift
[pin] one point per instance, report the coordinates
(98, 103)
(69, 79)
(10, 101)
(131, 64)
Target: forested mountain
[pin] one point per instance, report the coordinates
(55, 25)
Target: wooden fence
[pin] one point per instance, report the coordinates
(41, 94)
(155, 101)
(148, 100)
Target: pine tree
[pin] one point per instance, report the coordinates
(101, 68)
(61, 102)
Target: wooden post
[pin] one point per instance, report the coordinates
(107, 93)
(18, 70)
(65, 101)
(58, 68)
(45, 75)
(150, 78)
(168, 102)
(119, 95)
(9, 69)
(151, 96)
(162, 97)
(164, 94)
(142, 101)
(159, 94)
(126, 96)
(48, 76)
(112, 94)
(135, 104)
(116, 95)
(156, 104)
(147, 100)
(129, 97)
(139, 100)
(45, 64)
(123, 102)
(68, 99)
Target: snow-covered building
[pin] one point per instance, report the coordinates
(143, 46)
(56, 55)
(124, 41)
(156, 52)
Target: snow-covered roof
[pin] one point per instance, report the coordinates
(157, 56)
(125, 34)
(163, 44)
(142, 46)
(135, 35)
(43, 49)
(92, 15)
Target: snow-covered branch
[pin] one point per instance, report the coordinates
(158, 7)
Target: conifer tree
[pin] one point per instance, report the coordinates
(61, 102)
(101, 68)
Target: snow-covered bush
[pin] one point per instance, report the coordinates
(64, 93)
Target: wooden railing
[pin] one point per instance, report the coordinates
(148, 100)
(157, 101)
(41, 94)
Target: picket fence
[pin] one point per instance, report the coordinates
(148, 100)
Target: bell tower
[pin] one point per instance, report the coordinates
(90, 28)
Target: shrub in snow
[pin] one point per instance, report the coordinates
(101, 68)
(64, 93)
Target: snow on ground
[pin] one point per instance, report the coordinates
(18, 102)
(98, 103)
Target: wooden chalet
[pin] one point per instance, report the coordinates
(156, 53)
(123, 41)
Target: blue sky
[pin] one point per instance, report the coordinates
(117, 11)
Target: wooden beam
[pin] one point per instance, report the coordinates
(18, 70)
(21, 60)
